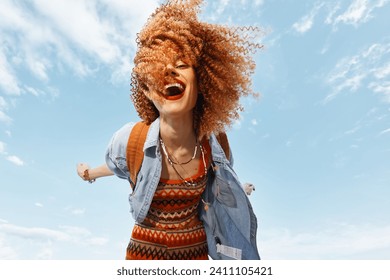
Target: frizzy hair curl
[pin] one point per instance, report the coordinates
(221, 57)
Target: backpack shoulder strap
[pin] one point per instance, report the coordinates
(224, 142)
(135, 150)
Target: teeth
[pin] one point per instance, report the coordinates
(174, 85)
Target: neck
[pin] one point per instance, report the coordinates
(178, 132)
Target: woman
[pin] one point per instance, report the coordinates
(186, 84)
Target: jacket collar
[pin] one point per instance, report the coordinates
(152, 140)
(216, 150)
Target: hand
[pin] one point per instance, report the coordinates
(81, 167)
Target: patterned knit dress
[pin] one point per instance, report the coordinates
(172, 229)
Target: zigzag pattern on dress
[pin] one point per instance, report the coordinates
(172, 202)
(141, 252)
(164, 217)
(169, 237)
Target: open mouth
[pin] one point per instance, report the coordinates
(174, 91)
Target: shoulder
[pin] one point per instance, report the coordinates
(116, 151)
(124, 131)
(118, 143)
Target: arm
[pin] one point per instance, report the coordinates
(91, 174)
(115, 158)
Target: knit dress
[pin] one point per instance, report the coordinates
(172, 229)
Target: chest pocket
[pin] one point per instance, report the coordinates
(223, 192)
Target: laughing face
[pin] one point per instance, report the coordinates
(180, 90)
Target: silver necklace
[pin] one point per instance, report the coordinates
(173, 164)
(171, 161)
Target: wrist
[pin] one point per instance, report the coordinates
(87, 177)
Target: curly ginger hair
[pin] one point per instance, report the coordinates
(220, 56)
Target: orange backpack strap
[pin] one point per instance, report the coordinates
(135, 150)
(223, 141)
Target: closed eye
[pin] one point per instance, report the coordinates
(182, 66)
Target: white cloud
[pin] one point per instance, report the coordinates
(97, 241)
(35, 92)
(382, 88)
(75, 231)
(360, 11)
(3, 103)
(78, 212)
(5, 118)
(15, 160)
(352, 83)
(34, 233)
(8, 81)
(356, 12)
(131, 15)
(353, 130)
(333, 11)
(221, 6)
(43, 240)
(6, 252)
(382, 72)
(79, 37)
(340, 241)
(306, 22)
(38, 204)
(259, 3)
(39, 67)
(75, 211)
(215, 10)
(369, 69)
(79, 22)
(46, 253)
(385, 131)
(103, 30)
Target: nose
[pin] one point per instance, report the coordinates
(171, 71)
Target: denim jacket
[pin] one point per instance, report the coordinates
(226, 212)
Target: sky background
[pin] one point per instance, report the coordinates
(316, 144)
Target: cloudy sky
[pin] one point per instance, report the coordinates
(316, 144)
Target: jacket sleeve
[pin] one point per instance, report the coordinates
(116, 152)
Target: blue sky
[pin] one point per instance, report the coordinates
(316, 144)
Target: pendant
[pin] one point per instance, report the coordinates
(206, 205)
